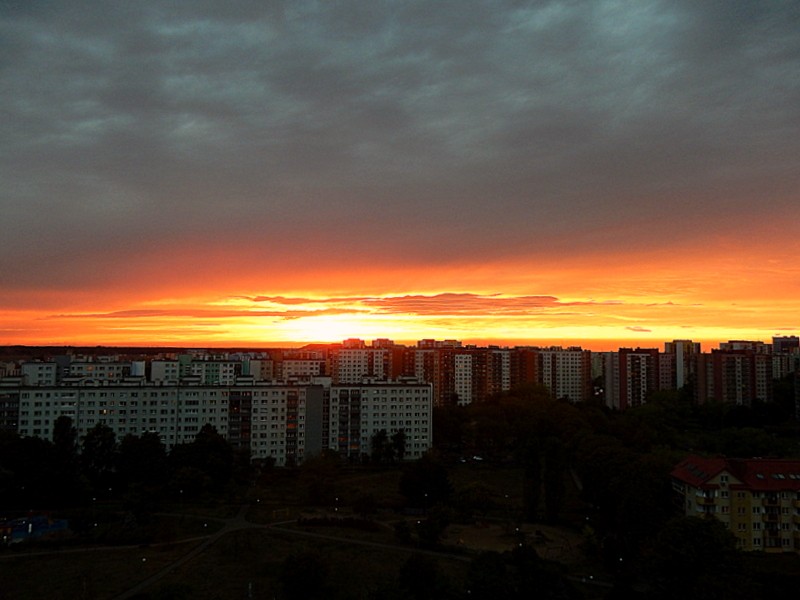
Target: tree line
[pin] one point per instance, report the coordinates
(70, 471)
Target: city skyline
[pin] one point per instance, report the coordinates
(606, 175)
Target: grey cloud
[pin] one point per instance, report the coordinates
(639, 329)
(499, 128)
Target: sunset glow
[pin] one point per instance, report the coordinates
(622, 307)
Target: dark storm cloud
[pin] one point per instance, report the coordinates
(432, 130)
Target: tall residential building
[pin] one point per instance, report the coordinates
(734, 376)
(756, 498)
(630, 376)
(567, 373)
(99, 370)
(786, 344)
(685, 353)
(356, 413)
(746, 345)
(285, 422)
(358, 364)
(463, 379)
(39, 373)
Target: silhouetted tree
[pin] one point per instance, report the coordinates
(67, 486)
(99, 454)
(399, 445)
(380, 449)
(142, 459)
(697, 558)
(209, 454)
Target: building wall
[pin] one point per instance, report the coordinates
(39, 373)
(463, 379)
(359, 412)
(567, 373)
(760, 520)
(285, 422)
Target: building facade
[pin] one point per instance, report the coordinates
(758, 500)
(284, 422)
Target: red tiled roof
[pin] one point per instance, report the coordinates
(767, 474)
(696, 470)
(761, 474)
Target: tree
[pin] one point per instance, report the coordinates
(142, 459)
(399, 444)
(65, 439)
(209, 454)
(697, 558)
(380, 450)
(67, 484)
(99, 454)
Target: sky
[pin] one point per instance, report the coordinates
(222, 173)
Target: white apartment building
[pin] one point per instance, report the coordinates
(354, 365)
(500, 376)
(287, 422)
(165, 371)
(39, 373)
(566, 372)
(299, 369)
(463, 378)
(100, 371)
(359, 412)
(176, 413)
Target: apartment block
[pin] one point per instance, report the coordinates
(39, 373)
(757, 499)
(630, 375)
(287, 422)
(567, 373)
(684, 354)
(734, 376)
(358, 412)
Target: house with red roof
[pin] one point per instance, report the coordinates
(758, 499)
